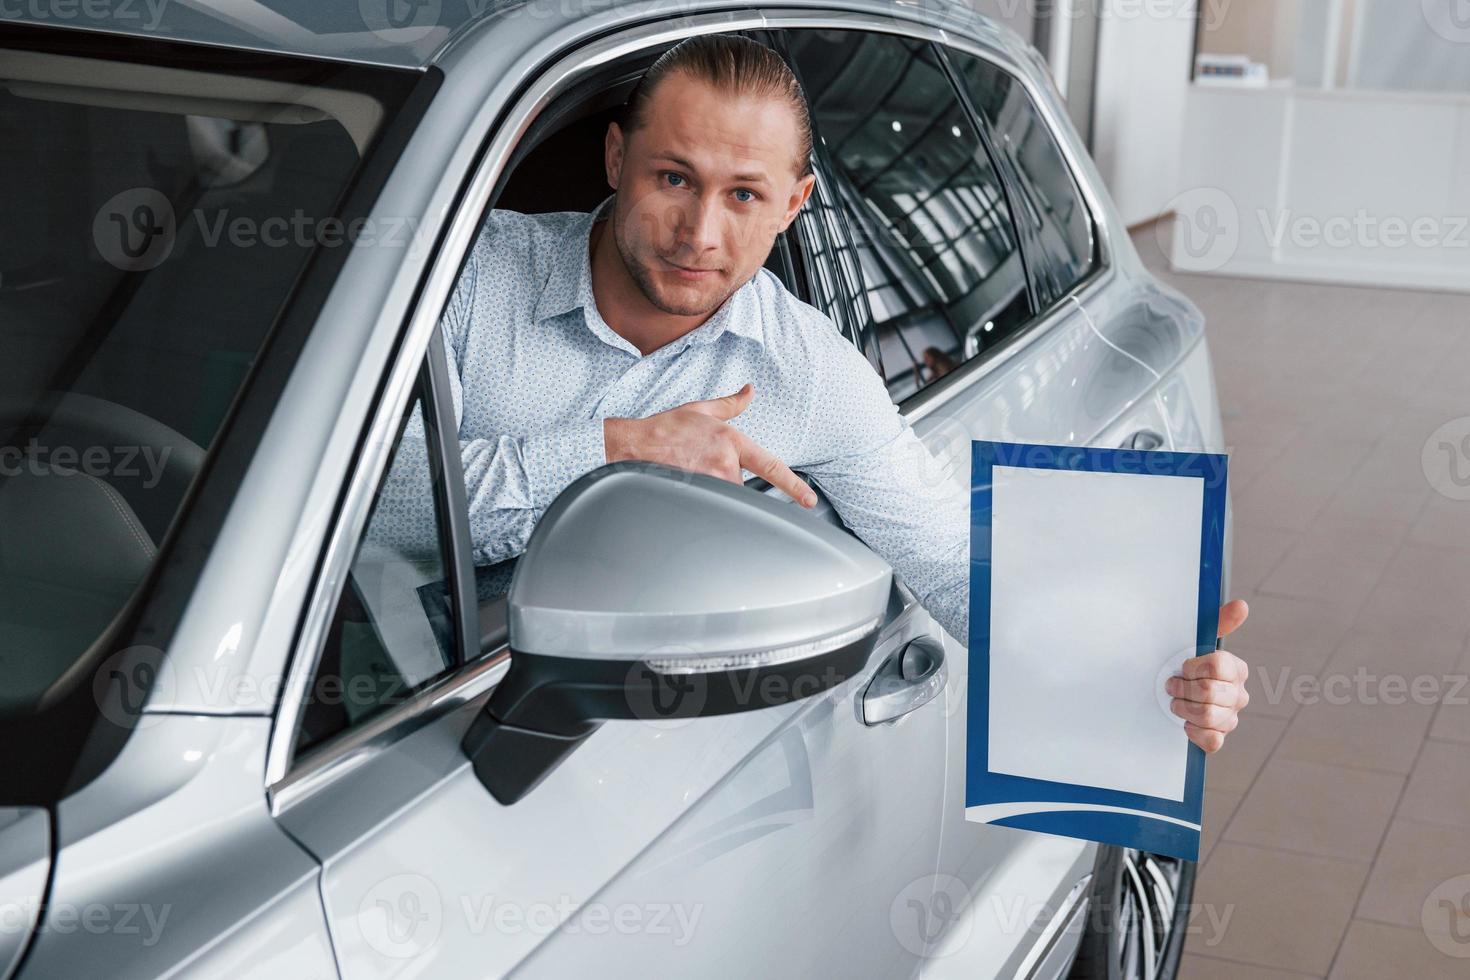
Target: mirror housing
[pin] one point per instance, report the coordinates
(651, 593)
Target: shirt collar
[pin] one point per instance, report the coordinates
(568, 287)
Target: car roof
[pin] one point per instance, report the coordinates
(415, 33)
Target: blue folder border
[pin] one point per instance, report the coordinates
(983, 786)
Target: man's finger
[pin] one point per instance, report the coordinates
(1211, 716)
(1222, 665)
(1205, 738)
(1207, 691)
(725, 408)
(1232, 614)
(764, 463)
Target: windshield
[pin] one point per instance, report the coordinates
(156, 216)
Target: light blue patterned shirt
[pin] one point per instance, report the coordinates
(534, 369)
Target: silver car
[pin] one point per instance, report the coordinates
(692, 730)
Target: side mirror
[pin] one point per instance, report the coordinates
(651, 593)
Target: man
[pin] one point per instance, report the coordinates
(649, 330)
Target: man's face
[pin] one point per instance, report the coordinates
(703, 189)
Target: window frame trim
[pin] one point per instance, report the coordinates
(289, 780)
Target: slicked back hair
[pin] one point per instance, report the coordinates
(736, 66)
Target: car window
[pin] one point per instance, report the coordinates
(1050, 198)
(833, 262)
(927, 212)
(393, 629)
(150, 238)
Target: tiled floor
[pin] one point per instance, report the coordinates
(1337, 819)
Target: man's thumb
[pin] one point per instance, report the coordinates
(729, 406)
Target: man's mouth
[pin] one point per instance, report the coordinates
(690, 273)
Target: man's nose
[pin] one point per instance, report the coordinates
(699, 225)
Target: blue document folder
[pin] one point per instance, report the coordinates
(1094, 573)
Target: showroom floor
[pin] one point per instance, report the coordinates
(1343, 801)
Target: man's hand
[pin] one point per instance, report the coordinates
(695, 436)
(1209, 691)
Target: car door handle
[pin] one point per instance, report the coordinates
(910, 678)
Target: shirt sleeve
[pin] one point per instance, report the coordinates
(885, 484)
(509, 480)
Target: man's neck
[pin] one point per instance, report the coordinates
(622, 305)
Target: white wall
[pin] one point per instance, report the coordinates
(1143, 68)
(1364, 188)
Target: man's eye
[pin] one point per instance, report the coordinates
(675, 180)
(744, 195)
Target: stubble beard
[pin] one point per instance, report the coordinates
(643, 278)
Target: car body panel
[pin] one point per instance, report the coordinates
(682, 821)
(170, 861)
(759, 827)
(25, 866)
(413, 35)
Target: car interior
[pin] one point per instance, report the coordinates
(120, 376)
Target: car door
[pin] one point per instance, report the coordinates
(780, 839)
(974, 285)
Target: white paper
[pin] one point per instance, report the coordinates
(1094, 588)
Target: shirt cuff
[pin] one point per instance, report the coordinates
(555, 457)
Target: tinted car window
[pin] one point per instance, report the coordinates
(1050, 199)
(927, 213)
(150, 239)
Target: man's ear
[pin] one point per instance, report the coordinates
(800, 191)
(612, 154)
